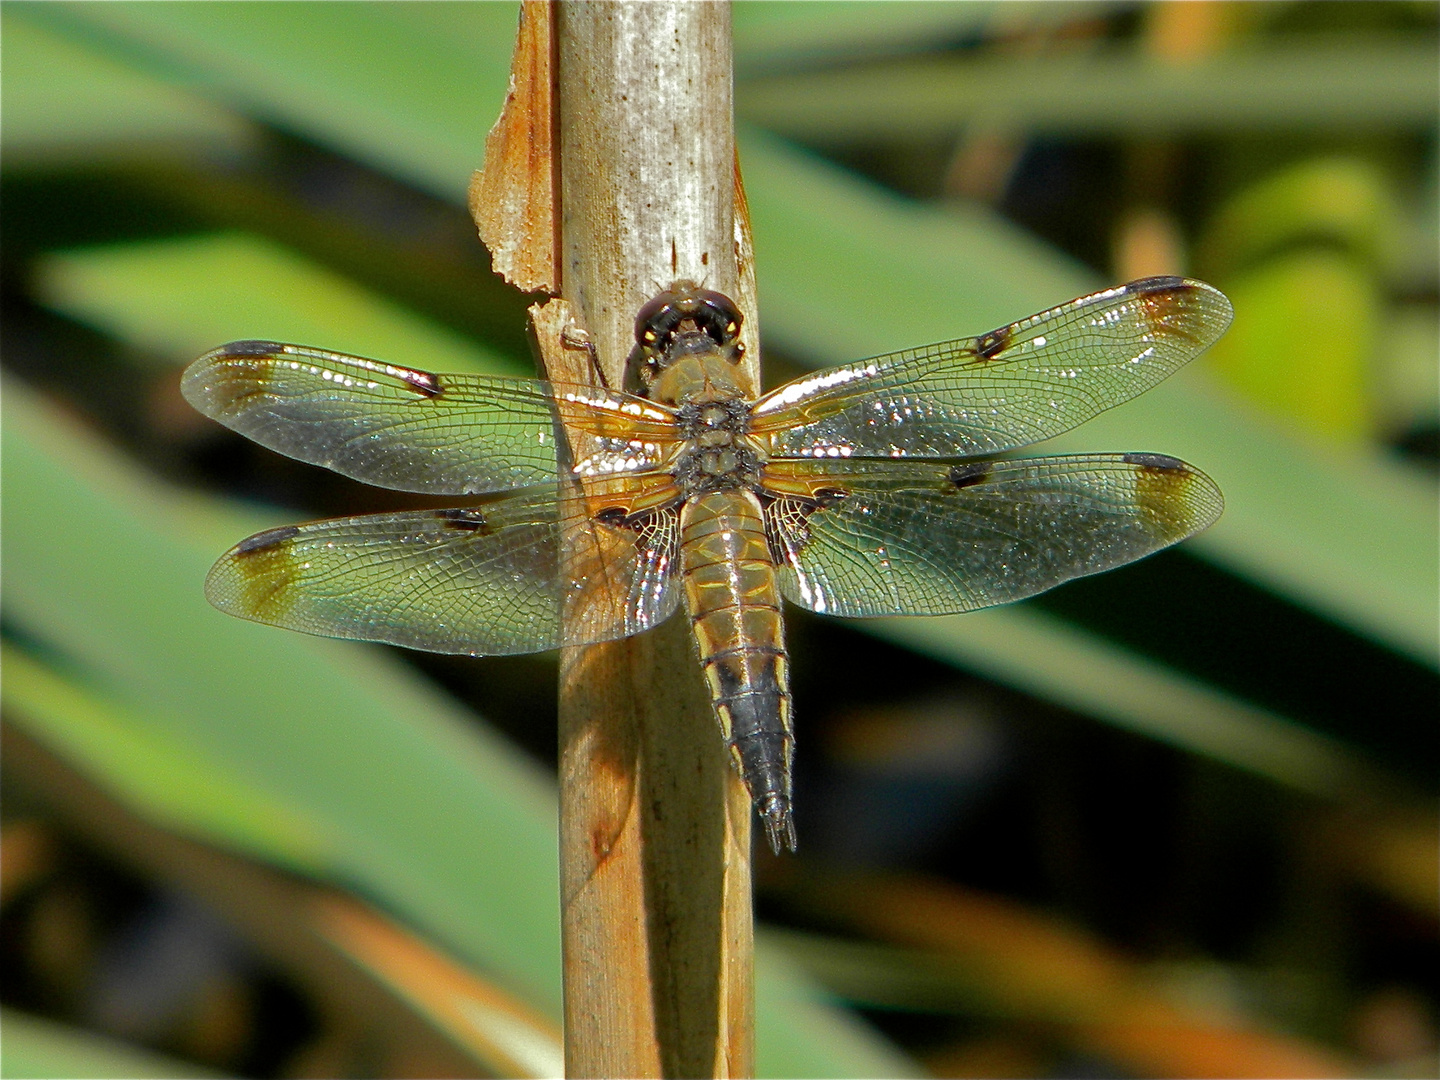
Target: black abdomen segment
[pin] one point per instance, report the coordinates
(755, 719)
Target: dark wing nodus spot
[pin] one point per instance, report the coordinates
(988, 346)
(619, 517)
(963, 476)
(466, 520)
(268, 539)
(423, 382)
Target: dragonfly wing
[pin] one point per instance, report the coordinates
(484, 580)
(414, 430)
(915, 538)
(1009, 388)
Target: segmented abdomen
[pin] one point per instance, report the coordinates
(734, 606)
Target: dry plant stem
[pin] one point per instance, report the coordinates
(655, 825)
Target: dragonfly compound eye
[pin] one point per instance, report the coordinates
(718, 315)
(686, 305)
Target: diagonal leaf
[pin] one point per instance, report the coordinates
(40, 1048)
(1351, 85)
(170, 780)
(66, 101)
(176, 299)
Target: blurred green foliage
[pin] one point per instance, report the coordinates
(37, 1048)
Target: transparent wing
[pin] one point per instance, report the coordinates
(413, 430)
(914, 538)
(1005, 389)
(486, 580)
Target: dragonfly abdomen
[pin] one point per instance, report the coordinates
(734, 605)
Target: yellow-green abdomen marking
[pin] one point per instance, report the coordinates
(734, 606)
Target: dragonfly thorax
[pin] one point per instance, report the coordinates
(692, 372)
(717, 455)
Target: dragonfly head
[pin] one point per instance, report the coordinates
(685, 323)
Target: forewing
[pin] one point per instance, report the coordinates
(1011, 387)
(484, 580)
(413, 430)
(914, 538)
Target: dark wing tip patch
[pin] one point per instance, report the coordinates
(1157, 462)
(267, 539)
(1176, 499)
(249, 348)
(255, 580)
(1158, 283)
(1191, 311)
(223, 382)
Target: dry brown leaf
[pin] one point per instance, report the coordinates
(512, 196)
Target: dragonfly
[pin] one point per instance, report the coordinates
(875, 488)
